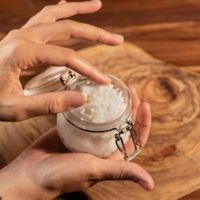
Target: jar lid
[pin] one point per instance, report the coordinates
(52, 79)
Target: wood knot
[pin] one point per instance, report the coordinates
(168, 150)
(166, 86)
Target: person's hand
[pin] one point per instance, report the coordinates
(32, 46)
(46, 169)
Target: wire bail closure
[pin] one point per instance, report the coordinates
(120, 143)
(66, 77)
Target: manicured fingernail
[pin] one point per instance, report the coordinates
(120, 38)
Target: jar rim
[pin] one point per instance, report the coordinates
(108, 125)
(47, 81)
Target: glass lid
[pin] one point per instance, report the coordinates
(47, 81)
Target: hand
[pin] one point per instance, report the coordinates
(47, 169)
(29, 47)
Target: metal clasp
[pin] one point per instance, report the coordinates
(66, 77)
(120, 143)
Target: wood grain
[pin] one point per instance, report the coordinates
(172, 153)
(173, 146)
(168, 30)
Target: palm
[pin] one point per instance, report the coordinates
(53, 166)
(54, 155)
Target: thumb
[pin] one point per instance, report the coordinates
(123, 170)
(50, 103)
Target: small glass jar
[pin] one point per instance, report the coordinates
(80, 135)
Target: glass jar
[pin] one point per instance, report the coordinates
(81, 135)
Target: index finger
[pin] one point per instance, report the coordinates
(52, 13)
(50, 55)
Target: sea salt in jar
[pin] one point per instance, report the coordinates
(99, 127)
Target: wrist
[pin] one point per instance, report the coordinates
(16, 184)
(8, 187)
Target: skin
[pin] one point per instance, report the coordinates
(47, 169)
(31, 47)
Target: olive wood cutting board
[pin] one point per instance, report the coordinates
(172, 153)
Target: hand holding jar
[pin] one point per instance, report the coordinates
(47, 169)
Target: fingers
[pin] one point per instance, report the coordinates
(142, 128)
(135, 101)
(122, 170)
(64, 30)
(62, 10)
(142, 119)
(143, 122)
(30, 106)
(50, 55)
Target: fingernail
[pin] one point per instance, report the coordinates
(145, 104)
(120, 38)
(77, 99)
(62, 1)
(100, 77)
(106, 78)
(143, 184)
(85, 96)
(95, 1)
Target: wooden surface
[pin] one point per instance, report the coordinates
(173, 147)
(168, 30)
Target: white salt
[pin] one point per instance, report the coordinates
(105, 103)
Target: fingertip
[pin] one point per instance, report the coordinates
(148, 183)
(151, 185)
(145, 105)
(107, 80)
(118, 38)
(134, 97)
(76, 99)
(96, 5)
(97, 2)
(144, 114)
(132, 90)
(62, 2)
(85, 97)
(101, 78)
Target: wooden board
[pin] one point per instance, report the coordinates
(169, 30)
(172, 153)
